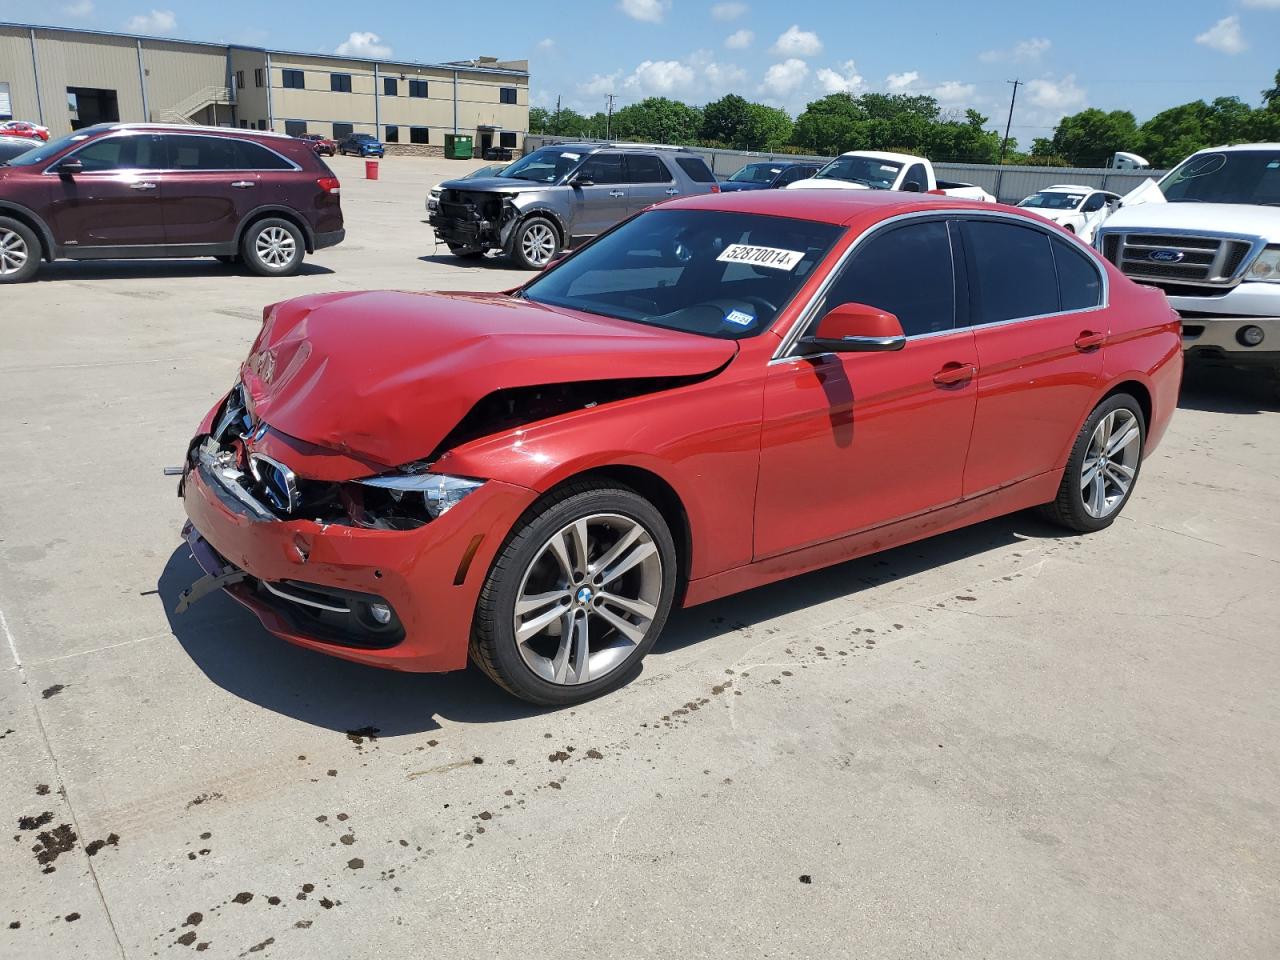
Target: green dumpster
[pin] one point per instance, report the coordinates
(458, 146)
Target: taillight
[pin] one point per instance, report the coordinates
(715, 188)
(329, 185)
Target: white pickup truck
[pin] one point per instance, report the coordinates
(1208, 235)
(873, 170)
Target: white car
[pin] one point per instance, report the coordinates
(877, 170)
(1079, 209)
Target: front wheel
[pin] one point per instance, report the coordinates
(1103, 467)
(535, 244)
(273, 248)
(577, 596)
(19, 251)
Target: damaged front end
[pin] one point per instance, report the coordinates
(475, 219)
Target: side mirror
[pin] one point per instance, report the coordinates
(69, 168)
(911, 187)
(854, 328)
(581, 180)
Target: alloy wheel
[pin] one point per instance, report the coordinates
(538, 243)
(275, 247)
(1110, 463)
(588, 599)
(13, 252)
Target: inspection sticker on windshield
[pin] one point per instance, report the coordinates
(739, 318)
(771, 257)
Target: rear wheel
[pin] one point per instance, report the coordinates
(1103, 467)
(273, 247)
(19, 251)
(535, 244)
(577, 596)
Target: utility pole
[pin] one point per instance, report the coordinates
(608, 117)
(1004, 145)
(557, 125)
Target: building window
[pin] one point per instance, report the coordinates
(342, 130)
(257, 77)
(507, 138)
(340, 82)
(390, 87)
(262, 124)
(244, 124)
(294, 80)
(418, 135)
(295, 128)
(418, 88)
(239, 79)
(393, 134)
(507, 95)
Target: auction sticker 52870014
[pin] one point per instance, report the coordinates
(772, 257)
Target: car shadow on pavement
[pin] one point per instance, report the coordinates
(442, 256)
(154, 270)
(234, 651)
(1218, 389)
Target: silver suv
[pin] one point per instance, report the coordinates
(561, 196)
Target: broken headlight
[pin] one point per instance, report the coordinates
(440, 492)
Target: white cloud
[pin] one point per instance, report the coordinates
(795, 42)
(1024, 51)
(363, 44)
(1056, 96)
(901, 82)
(739, 40)
(846, 79)
(1224, 36)
(784, 78)
(649, 11)
(951, 93)
(157, 21)
(728, 11)
(660, 78)
(84, 8)
(600, 84)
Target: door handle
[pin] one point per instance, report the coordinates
(1088, 340)
(616, 193)
(672, 192)
(243, 184)
(954, 373)
(143, 185)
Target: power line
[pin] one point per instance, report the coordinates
(608, 100)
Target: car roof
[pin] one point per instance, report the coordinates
(840, 207)
(187, 128)
(1067, 188)
(883, 155)
(1240, 146)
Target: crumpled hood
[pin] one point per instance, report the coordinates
(384, 375)
(494, 185)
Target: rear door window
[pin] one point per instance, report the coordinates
(221, 153)
(696, 169)
(1079, 278)
(642, 168)
(1011, 271)
(905, 270)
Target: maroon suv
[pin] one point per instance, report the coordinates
(145, 190)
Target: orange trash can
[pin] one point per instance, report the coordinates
(371, 169)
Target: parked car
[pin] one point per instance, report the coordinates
(11, 147)
(22, 128)
(132, 190)
(1208, 235)
(321, 144)
(875, 170)
(1078, 209)
(361, 145)
(498, 153)
(557, 198)
(770, 175)
(491, 170)
(722, 392)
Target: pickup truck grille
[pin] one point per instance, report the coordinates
(1177, 258)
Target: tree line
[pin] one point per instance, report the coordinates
(917, 124)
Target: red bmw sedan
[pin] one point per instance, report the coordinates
(720, 392)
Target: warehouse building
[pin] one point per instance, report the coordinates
(65, 79)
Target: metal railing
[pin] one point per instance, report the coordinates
(184, 110)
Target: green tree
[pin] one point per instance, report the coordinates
(1173, 134)
(767, 127)
(830, 125)
(726, 120)
(1272, 97)
(1090, 137)
(539, 120)
(966, 141)
(658, 120)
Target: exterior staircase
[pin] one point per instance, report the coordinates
(184, 110)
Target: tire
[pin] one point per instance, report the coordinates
(465, 253)
(19, 251)
(535, 244)
(273, 247)
(546, 666)
(1089, 502)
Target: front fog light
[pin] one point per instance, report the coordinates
(380, 612)
(1250, 336)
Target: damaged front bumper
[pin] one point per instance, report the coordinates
(473, 220)
(396, 598)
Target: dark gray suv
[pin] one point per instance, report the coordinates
(561, 196)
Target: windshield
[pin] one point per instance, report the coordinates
(876, 174)
(548, 165)
(1053, 201)
(709, 272)
(756, 173)
(1236, 176)
(43, 151)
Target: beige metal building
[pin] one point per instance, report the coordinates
(65, 79)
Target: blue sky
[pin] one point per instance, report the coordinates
(1071, 55)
